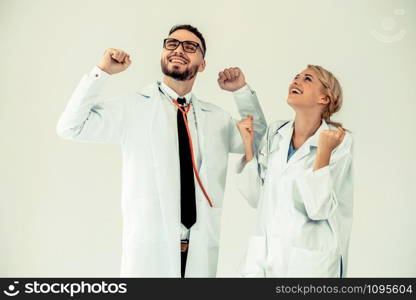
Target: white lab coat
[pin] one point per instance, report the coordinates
(304, 217)
(150, 187)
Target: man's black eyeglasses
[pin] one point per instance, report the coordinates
(188, 46)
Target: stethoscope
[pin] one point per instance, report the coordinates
(184, 110)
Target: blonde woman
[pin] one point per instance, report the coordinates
(301, 176)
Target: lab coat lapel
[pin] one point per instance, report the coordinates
(162, 137)
(310, 143)
(200, 114)
(300, 153)
(315, 138)
(284, 137)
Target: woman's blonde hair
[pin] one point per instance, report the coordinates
(333, 90)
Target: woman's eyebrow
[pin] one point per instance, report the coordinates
(309, 75)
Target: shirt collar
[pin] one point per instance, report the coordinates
(172, 94)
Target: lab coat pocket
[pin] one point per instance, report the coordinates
(313, 263)
(254, 260)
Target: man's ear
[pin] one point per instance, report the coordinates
(324, 99)
(202, 66)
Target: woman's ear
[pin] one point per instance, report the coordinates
(202, 66)
(324, 99)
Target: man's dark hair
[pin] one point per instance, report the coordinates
(194, 31)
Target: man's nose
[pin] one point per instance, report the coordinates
(180, 49)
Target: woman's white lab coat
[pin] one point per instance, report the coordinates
(304, 216)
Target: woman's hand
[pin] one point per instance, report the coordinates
(328, 141)
(245, 126)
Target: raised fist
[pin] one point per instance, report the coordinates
(245, 126)
(330, 139)
(114, 61)
(231, 79)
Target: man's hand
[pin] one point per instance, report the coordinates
(114, 61)
(231, 79)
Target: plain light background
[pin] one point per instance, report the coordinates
(60, 201)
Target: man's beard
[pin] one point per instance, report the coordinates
(188, 74)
